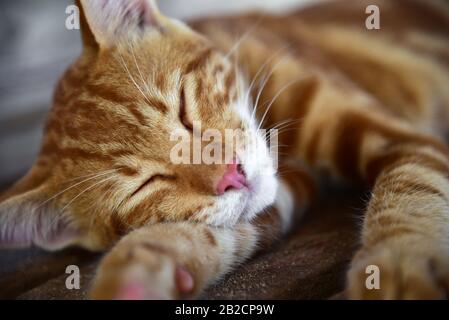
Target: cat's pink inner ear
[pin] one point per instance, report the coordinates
(148, 10)
(109, 20)
(23, 223)
(129, 9)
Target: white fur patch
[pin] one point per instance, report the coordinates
(285, 205)
(260, 172)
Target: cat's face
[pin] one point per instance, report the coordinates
(108, 163)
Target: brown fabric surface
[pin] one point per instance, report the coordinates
(308, 264)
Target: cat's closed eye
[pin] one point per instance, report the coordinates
(152, 179)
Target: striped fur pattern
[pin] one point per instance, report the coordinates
(368, 107)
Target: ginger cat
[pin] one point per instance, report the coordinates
(367, 107)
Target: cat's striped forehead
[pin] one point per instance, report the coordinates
(155, 73)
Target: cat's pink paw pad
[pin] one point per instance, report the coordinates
(137, 291)
(140, 290)
(184, 280)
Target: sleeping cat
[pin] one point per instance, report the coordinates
(367, 107)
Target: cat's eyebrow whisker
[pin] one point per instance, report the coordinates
(282, 131)
(245, 36)
(79, 183)
(140, 72)
(85, 190)
(152, 74)
(283, 173)
(277, 96)
(125, 67)
(286, 129)
(267, 77)
(237, 74)
(264, 65)
(132, 78)
(241, 73)
(283, 124)
(264, 83)
(142, 79)
(282, 128)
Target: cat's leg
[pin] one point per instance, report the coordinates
(171, 261)
(178, 260)
(406, 226)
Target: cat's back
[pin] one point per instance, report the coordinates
(403, 61)
(418, 24)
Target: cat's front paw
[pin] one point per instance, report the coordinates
(411, 270)
(141, 271)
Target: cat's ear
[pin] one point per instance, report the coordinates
(27, 219)
(104, 22)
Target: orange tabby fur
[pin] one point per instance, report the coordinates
(373, 108)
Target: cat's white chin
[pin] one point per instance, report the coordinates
(261, 194)
(243, 204)
(262, 184)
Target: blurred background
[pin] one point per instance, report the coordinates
(36, 48)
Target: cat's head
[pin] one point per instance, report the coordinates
(109, 158)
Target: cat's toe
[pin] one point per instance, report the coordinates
(399, 273)
(141, 274)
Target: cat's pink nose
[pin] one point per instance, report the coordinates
(234, 178)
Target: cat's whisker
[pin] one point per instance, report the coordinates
(280, 124)
(50, 225)
(264, 83)
(145, 84)
(244, 36)
(279, 146)
(132, 78)
(77, 184)
(259, 94)
(151, 75)
(262, 68)
(277, 96)
(89, 175)
(283, 129)
(238, 76)
(140, 72)
(280, 128)
(85, 190)
(281, 174)
(274, 148)
(287, 126)
(287, 129)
